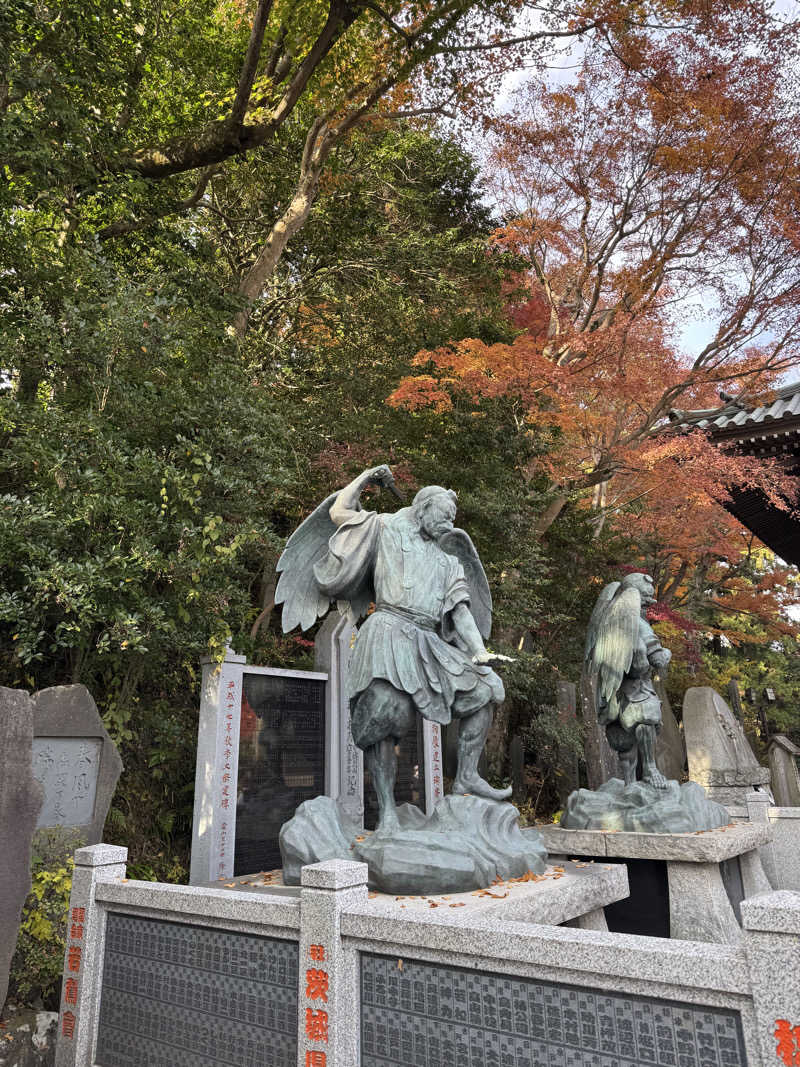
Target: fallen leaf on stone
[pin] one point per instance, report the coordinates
(460, 904)
(230, 885)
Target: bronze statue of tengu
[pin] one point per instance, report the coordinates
(421, 651)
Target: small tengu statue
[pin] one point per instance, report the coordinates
(622, 654)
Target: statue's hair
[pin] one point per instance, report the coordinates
(431, 491)
(628, 580)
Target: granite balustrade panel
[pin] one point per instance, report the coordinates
(181, 995)
(418, 1014)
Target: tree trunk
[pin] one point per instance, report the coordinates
(319, 142)
(549, 515)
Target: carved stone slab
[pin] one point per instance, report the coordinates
(719, 755)
(174, 995)
(785, 775)
(428, 1014)
(74, 759)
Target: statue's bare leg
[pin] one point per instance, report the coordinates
(471, 739)
(381, 761)
(646, 738)
(627, 761)
(382, 715)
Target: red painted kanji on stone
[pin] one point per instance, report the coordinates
(71, 991)
(68, 1024)
(315, 1058)
(316, 984)
(316, 1025)
(788, 1038)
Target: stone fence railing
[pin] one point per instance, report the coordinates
(329, 975)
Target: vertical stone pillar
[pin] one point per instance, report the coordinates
(83, 956)
(433, 764)
(772, 946)
(215, 783)
(755, 864)
(21, 799)
(328, 995)
(344, 762)
(567, 770)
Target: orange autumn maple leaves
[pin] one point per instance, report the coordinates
(659, 187)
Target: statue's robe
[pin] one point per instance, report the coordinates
(409, 640)
(638, 700)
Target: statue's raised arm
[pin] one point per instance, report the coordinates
(311, 568)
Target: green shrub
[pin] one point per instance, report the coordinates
(38, 962)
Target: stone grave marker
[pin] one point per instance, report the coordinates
(718, 753)
(567, 708)
(75, 761)
(345, 770)
(21, 798)
(782, 756)
(262, 749)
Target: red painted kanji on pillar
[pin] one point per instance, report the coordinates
(788, 1038)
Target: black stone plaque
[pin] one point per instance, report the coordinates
(431, 1015)
(175, 995)
(409, 786)
(281, 762)
(646, 909)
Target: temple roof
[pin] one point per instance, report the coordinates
(768, 430)
(734, 417)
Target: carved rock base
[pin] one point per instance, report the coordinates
(465, 844)
(641, 807)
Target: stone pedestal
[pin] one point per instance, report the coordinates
(709, 872)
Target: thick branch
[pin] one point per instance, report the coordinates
(250, 66)
(220, 141)
(123, 226)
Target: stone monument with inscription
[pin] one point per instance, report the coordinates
(420, 653)
(75, 761)
(783, 755)
(719, 755)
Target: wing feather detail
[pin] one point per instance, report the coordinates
(610, 658)
(458, 543)
(297, 589)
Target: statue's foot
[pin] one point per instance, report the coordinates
(388, 823)
(476, 787)
(655, 778)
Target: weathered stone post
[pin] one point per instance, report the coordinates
(80, 995)
(328, 1032)
(21, 799)
(772, 946)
